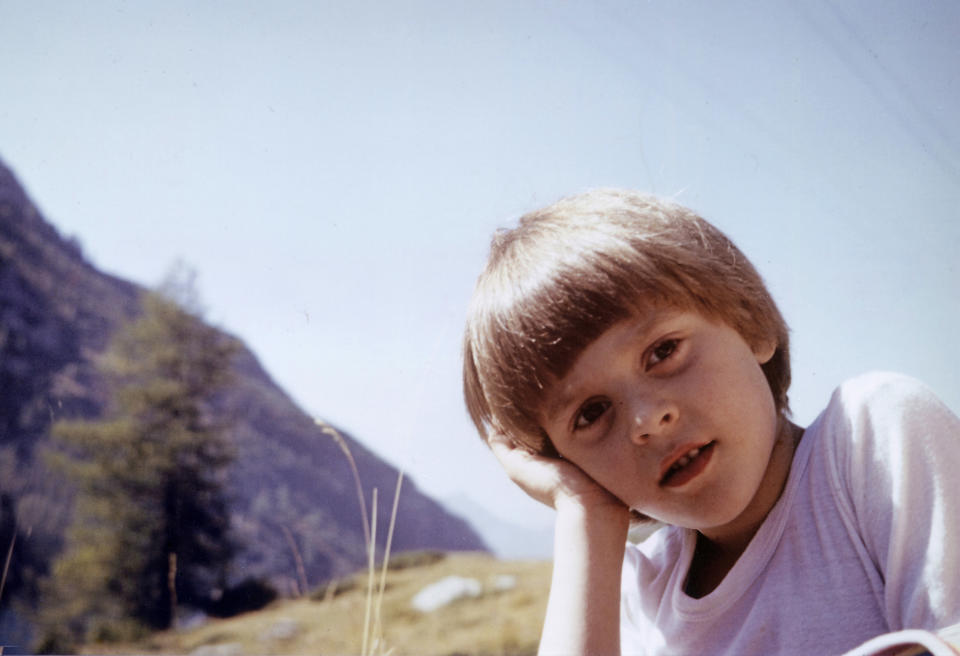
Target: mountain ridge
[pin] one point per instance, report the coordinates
(291, 488)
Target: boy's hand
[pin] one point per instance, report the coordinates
(552, 481)
(583, 612)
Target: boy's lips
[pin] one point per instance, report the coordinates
(685, 463)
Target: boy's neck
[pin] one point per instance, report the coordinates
(718, 550)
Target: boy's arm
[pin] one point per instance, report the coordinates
(583, 610)
(901, 468)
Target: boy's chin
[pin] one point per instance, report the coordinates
(702, 519)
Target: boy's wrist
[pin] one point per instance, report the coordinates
(611, 515)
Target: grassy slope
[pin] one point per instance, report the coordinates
(506, 622)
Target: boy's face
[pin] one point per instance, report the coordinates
(671, 412)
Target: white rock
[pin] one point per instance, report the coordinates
(446, 591)
(283, 629)
(504, 582)
(190, 621)
(223, 649)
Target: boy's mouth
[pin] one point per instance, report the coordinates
(686, 465)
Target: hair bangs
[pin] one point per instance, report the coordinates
(569, 272)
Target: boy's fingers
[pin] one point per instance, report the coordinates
(513, 456)
(507, 452)
(503, 445)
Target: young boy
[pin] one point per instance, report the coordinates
(623, 359)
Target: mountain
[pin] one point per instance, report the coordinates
(506, 539)
(293, 496)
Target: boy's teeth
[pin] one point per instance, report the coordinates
(685, 459)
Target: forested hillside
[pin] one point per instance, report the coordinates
(290, 489)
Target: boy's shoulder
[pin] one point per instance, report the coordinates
(879, 411)
(879, 398)
(883, 431)
(880, 384)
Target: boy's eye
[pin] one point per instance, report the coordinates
(589, 413)
(663, 350)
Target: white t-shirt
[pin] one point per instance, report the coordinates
(865, 539)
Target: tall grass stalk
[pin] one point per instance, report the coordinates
(377, 621)
(371, 557)
(6, 564)
(297, 561)
(372, 633)
(342, 443)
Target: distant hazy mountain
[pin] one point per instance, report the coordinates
(505, 538)
(291, 485)
(515, 541)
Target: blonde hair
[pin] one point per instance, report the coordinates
(572, 270)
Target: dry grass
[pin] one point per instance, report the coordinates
(507, 622)
(371, 613)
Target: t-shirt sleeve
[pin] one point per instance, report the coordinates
(899, 471)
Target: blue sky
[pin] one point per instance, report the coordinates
(334, 171)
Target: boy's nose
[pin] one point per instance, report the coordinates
(652, 420)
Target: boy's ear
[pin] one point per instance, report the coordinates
(764, 350)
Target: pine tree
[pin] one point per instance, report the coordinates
(151, 528)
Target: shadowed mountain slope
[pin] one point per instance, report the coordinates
(291, 487)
